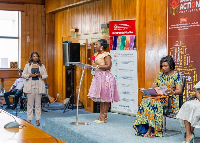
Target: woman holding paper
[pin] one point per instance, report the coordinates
(149, 121)
(190, 115)
(103, 88)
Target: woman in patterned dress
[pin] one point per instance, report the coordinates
(149, 121)
(103, 88)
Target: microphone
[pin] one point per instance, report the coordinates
(93, 59)
(14, 124)
(93, 70)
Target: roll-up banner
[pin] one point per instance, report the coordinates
(124, 65)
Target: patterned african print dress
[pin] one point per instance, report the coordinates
(103, 87)
(150, 112)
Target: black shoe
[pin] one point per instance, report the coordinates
(8, 107)
(13, 107)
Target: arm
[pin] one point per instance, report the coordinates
(43, 74)
(107, 65)
(198, 93)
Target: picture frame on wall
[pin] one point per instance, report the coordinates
(13, 65)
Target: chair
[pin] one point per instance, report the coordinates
(167, 111)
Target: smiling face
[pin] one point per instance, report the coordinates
(165, 67)
(35, 57)
(98, 47)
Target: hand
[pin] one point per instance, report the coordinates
(32, 75)
(141, 90)
(169, 91)
(38, 74)
(94, 64)
(19, 90)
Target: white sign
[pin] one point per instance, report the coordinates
(124, 68)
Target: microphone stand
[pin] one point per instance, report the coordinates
(84, 67)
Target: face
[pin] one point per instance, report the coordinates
(165, 67)
(35, 57)
(98, 47)
(20, 73)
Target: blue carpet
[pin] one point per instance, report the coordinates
(118, 129)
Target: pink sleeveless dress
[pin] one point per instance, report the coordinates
(103, 86)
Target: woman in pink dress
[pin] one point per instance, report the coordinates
(103, 88)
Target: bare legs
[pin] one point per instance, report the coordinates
(189, 130)
(104, 106)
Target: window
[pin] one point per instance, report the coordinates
(9, 39)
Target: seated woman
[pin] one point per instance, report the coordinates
(190, 115)
(149, 120)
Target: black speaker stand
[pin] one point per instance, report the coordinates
(71, 98)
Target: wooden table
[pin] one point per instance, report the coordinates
(27, 134)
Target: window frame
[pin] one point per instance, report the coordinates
(16, 37)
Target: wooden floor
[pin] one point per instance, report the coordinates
(25, 134)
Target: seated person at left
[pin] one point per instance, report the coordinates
(16, 90)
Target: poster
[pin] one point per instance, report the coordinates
(124, 65)
(183, 39)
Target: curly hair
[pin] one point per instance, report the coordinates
(31, 59)
(169, 60)
(103, 43)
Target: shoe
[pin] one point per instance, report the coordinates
(37, 124)
(96, 121)
(8, 107)
(100, 122)
(191, 140)
(13, 107)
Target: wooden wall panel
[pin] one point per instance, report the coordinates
(50, 26)
(156, 38)
(141, 43)
(87, 18)
(123, 9)
(23, 1)
(33, 33)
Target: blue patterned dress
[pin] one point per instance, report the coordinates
(150, 112)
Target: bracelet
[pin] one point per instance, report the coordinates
(97, 67)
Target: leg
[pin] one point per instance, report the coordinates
(30, 102)
(192, 130)
(107, 105)
(17, 95)
(6, 94)
(188, 130)
(38, 106)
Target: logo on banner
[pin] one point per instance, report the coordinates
(174, 7)
(183, 20)
(121, 26)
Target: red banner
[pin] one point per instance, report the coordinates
(183, 39)
(124, 27)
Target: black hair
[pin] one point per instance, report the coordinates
(21, 71)
(31, 60)
(103, 43)
(169, 60)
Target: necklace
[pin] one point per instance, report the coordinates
(99, 53)
(34, 64)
